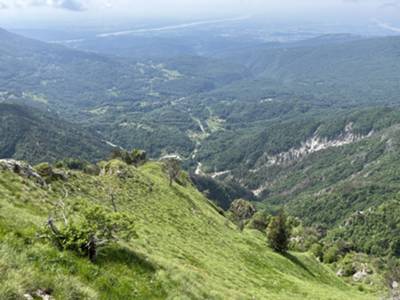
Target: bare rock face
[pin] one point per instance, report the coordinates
(39, 294)
(21, 168)
(362, 274)
(340, 273)
(395, 285)
(359, 276)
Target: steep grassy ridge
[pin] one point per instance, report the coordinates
(185, 248)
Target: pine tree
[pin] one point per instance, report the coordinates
(278, 233)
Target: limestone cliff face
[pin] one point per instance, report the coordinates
(314, 144)
(311, 145)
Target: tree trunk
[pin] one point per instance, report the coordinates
(55, 232)
(114, 205)
(92, 249)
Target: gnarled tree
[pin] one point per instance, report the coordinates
(86, 227)
(173, 168)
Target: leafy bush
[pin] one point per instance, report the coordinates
(347, 265)
(241, 211)
(44, 169)
(135, 157)
(92, 169)
(331, 255)
(303, 237)
(316, 250)
(72, 164)
(259, 221)
(49, 174)
(85, 228)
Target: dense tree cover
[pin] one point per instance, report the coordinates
(167, 45)
(245, 149)
(352, 190)
(373, 231)
(350, 71)
(153, 104)
(36, 136)
(157, 139)
(222, 193)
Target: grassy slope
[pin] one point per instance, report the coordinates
(185, 249)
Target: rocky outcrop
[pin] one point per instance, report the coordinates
(39, 294)
(311, 145)
(363, 272)
(360, 275)
(315, 144)
(21, 168)
(50, 174)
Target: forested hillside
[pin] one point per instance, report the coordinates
(336, 70)
(137, 103)
(36, 136)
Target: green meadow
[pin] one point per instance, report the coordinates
(185, 248)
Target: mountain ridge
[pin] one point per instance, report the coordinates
(185, 247)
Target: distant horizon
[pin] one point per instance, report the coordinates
(58, 13)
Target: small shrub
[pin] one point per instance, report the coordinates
(316, 250)
(117, 168)
(331, 255)
(241, 210)
(259, 221)
(138, 156)
(86, 227)
(75, 164)
(44, 169)
(49, 174)
(135, 157)
(348, 265)
(92, 169)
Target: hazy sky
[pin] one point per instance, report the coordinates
(23, 10)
